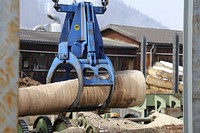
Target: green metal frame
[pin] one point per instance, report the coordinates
(159, 102)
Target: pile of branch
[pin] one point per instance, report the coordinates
(160, 78)
(26, 82)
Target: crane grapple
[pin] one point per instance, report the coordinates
(81, 49)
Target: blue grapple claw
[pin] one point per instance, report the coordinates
(81, 49)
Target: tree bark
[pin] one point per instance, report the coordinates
(157, 90)
(159, 82)
(168, 65)
(161, 73)
(57, 97)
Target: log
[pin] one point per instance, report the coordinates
(168, 65)
(161, 73)
(159, 82)
(157, 90)
(57, 97)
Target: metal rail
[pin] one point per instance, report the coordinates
(50, 52)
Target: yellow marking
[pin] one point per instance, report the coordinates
(76, 27)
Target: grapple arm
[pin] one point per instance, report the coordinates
(81, 46)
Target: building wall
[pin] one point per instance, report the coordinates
(162, 51)
(117, 36)
(37, 63)
(165, 52)
(35, 60)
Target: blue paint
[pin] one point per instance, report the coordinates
(81, 46)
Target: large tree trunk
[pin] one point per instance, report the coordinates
(57, 97)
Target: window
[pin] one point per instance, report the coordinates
(38, 61)
(42, 61)
(50, 60)
(35, 64)
(25, 60)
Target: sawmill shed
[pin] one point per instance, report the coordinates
(160, 41)
(122, 45)
(38, 49)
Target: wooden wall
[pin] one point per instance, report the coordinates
(36, 59)
(117, 36)
(41, 55)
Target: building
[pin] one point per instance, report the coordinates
(122, 45)
(159, 40)
(38, 49)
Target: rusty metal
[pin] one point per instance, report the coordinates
(9, 46)
(195, 67)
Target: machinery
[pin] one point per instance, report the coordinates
(81, 49)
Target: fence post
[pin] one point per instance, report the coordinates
(176, 63)
(143, 55)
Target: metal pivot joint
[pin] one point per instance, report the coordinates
(81, 49)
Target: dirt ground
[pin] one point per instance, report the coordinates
(161, 124)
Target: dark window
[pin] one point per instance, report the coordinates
(42, 61)
(26, 61)
(50, 60)
(35, 64)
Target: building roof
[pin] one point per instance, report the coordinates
(153, 35)
(52, 38)
(115, 43)
(39, 36)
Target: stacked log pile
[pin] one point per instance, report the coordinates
(160, 78)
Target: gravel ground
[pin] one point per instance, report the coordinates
(73, 130)
(162, 124)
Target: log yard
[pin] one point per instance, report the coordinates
(83, 78)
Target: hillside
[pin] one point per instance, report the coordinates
(118, 13)
(33, 12)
